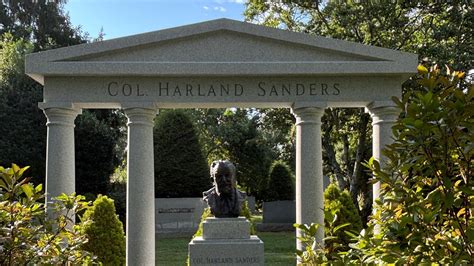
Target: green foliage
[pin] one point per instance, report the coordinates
(19, 112)
(427, 193)
(425, 212)
(117, 190)
(180, 167)
(104, 232)
(339, 210)
(281, 184)
(43, 22)
(341, 224)
(439, 30)
(27, 26)
(96, 154)
(205, 214)
(27, 236)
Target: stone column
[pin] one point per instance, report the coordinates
(384, 115)
(60, 165)
(140, 187)
(309, 169)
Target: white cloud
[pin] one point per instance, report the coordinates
(220, 8)
(205, 7)
(237, 1)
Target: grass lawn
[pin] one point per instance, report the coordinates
(279, 249)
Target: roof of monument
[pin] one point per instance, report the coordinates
(220, 47)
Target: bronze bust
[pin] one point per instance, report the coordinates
(224, 199)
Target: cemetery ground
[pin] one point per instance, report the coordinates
(279, 248)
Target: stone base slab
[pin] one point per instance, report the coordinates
(226, 251)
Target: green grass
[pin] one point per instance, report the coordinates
(171, 250)
(279, 249)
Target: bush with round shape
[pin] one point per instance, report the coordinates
(281, 184)
(104, 231)
(180, 167)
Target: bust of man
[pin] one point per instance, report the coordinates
(224, 199)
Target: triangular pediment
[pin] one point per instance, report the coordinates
(224, 46)
(219, 47)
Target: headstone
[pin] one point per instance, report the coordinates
(179, 216)
(226, 241)
(282, 211)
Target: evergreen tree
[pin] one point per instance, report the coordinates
(104, 232)
(29, 26)
(180, 167)
(281, 185)
(339, 209)
(22, 130)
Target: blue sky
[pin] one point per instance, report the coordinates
(127, 17)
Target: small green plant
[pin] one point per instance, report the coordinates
(339, 209)
(315, 253)
(281, 183)
(104, 232)
(27, 236)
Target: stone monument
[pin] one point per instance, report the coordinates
(226, 238)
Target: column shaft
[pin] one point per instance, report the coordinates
(309, 170)
(383, 118)
(140, 187)
(60, 165)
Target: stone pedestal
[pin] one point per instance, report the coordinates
(226, 241)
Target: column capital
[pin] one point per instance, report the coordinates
(383, 112)
(61, 116)
(140, 116)
(310, 115)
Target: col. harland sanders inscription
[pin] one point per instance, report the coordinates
(224, 89)
(236, 89)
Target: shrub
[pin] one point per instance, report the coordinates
(95, 140)
(180, 167)
(27, 236)
(281, 183)
(424, 215)
(339, 209)
(104, 232)
(117, 190)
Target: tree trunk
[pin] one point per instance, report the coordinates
(331, 155)
(358, 181)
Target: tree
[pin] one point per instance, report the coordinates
(439, 31)
(95, 143)
(29, 26)
(180, 167)
(236, 135)
(104, 232)
(41, 22)
(281, 184)
(18, 92)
